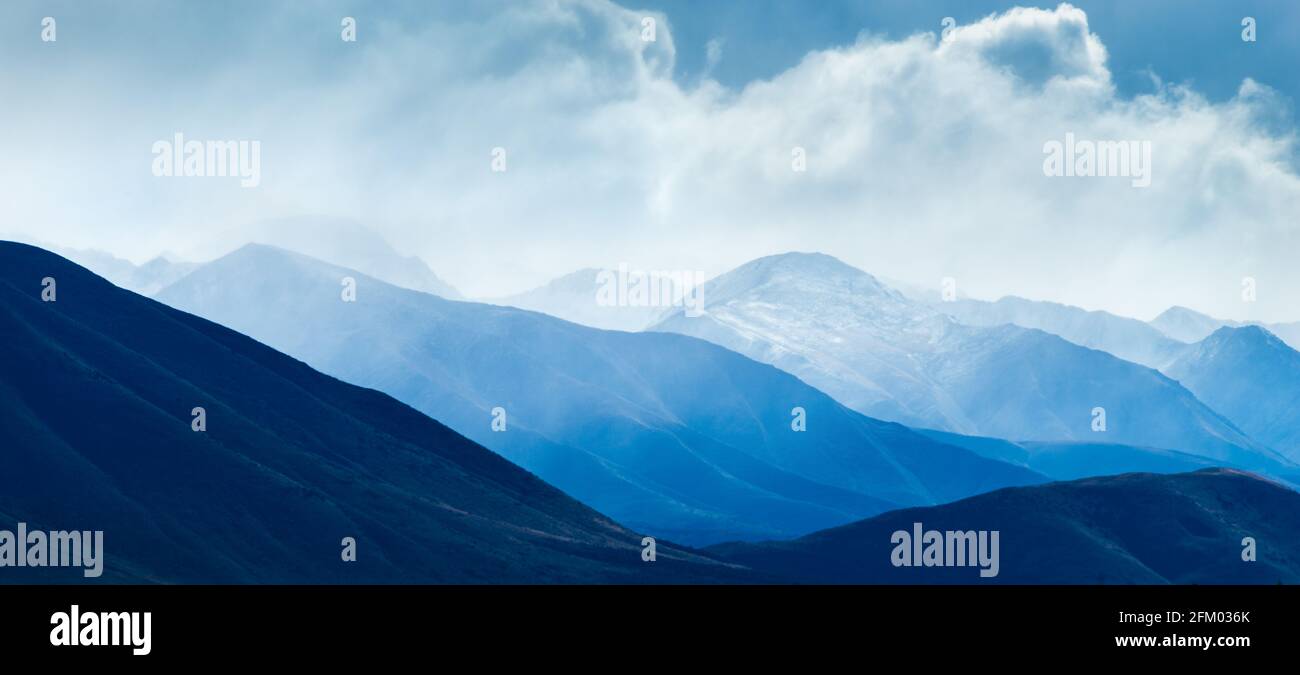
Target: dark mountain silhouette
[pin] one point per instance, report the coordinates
(1133, 528)
(96, 394)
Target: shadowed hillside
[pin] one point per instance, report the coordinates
(96, 394)
(1133, 528)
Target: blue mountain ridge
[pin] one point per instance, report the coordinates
(96, 394)
(882, 354)
(665, 433)
(1137, 528)
(1251, 376)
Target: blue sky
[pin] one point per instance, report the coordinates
(924, 155)
(1193, 41)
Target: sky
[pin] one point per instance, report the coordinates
(922, 153)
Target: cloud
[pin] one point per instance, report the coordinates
(712, 55)
(1036, 45)
(924, 157)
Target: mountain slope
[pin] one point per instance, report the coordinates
(342, 241)
(145, 279)
(842, 331)
(1128, 339)
(1072, 460)
(1134, 528)
(660, 431)
(96, 394)
(575, 297)
(159, 273)
(1253, 378)
(836, 328)
(1189, 325)
(1028, 385)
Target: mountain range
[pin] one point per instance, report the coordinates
(1187, 325)
(573, 297)
(1069, 460)
(99, 389)
(98, 396)
(662, 432)
(345, 242)
(1243, 371)
(887, 356)
(1253, 378)
(1129, 339)
(1138, 528)
(146, 279)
